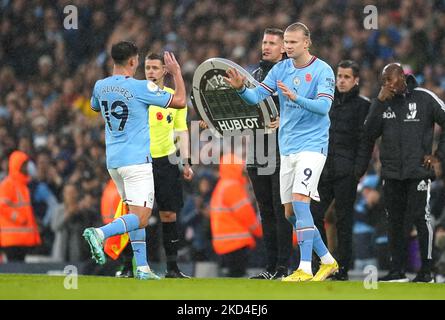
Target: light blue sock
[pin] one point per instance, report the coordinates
(139, 246)
(319, 246)
(305, 242)
(127, 223)
(304, 228)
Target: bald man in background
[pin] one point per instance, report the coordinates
(404, 115)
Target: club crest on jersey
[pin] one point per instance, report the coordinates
(422, 186)
(297, 81)
(169, 118)
(389, 114)
(411, 115)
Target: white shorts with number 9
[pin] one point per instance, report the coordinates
(300, 173)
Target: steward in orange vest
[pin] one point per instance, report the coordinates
(233, 220)
(18, 227)
(109, 202)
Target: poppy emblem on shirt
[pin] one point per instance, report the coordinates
(296, 81)
(159, 116)
(308, 77)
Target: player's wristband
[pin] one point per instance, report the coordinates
(187, 161)
(242, 89)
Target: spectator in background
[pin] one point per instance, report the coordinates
(71, 218)
(382, 41)
(233, 219)
(44, 201)
(18, 227)
(195, 218)
(369, 231)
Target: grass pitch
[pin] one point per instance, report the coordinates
(15, 286)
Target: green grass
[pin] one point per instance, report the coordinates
(16, 286)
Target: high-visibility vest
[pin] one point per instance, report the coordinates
(18, 227)
(234, 223)
(109, 202)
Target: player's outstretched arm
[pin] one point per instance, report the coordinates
(172, 66)
(234, 79)
(251, 96)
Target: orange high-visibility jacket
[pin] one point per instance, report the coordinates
(233, 221)
(18, 227)
(109, 202)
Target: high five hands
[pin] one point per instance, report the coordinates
(171, 65)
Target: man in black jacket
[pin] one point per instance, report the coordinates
(338, 182)
(404, 116)
(277, 230)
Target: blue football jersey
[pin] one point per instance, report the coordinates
(304, 123)
(123, 102)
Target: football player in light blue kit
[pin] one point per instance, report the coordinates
(123, 102)
(305, 86)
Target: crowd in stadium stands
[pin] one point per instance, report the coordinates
(47, 73)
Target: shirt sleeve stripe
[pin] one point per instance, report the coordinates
(440, 102)
(266, 87)
(325, 95)
(169, 101)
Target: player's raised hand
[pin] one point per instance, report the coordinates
(234, 79)
(286, 91)
(171, 65)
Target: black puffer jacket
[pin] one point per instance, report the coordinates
(406, 125)
(259, 75)
(347, 114)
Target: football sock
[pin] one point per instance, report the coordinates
(319, 247)
(137, 238)
(127, 223)
(305, 234)
(306, 266)
(170, 240)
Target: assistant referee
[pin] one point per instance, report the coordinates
(165, 124)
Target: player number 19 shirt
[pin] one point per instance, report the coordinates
(123, 102)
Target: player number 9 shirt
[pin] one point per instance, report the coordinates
(301, 129)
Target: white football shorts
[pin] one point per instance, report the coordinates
(300, 173)
(135, 184)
